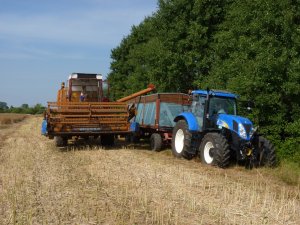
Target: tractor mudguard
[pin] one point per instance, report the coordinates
(44, 127)
(190, 119)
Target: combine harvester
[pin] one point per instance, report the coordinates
(83, 109)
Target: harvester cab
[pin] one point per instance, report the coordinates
(213, 130)
(84, 87)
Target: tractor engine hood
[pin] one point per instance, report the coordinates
(242, 126)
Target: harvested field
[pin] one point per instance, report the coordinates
(41, 184)
(10, 118)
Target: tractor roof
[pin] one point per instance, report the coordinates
(218, 93)
(85, 76)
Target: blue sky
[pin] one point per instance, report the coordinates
(43, 41)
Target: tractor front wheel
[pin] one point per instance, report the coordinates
(182, 140)
(266, 155)
(107, 139)
(214, 150)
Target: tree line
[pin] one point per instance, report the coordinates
(250, 48)
(24, 109)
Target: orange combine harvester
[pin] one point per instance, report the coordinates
(83, 109)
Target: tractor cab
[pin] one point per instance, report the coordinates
(217, 110)
(207, 106)
(83, 87)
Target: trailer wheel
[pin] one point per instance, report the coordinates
(266, 155)
(214, 150)
(107, 139)
(181, 140)
(156, 142)
(60, 141)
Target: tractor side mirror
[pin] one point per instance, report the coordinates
(247, 105)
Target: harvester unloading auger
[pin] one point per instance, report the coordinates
(83, 109)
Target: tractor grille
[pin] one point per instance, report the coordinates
(235, 126)
(247, 128)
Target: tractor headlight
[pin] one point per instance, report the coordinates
(242, 131)
(252, 131)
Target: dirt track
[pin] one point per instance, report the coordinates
(40, 184)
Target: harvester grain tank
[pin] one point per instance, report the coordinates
(213, 130)
(83, 109)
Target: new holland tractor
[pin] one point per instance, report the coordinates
(213, 130)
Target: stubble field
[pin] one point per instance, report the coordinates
(41, 184)
(7, 119)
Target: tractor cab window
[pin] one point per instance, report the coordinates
(197, 108)
(220, 105)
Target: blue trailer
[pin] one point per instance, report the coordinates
(154, 117)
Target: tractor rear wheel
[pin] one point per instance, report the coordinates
(60, 141)
(107, 139)
(182, 140)
(156, 142)
(266, 155)
(214, 150)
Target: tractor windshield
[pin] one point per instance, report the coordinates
(220, 105)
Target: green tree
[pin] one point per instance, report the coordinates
(248, 47)
(25, 106)
(170, 49)
(3, 106)
(257, 56)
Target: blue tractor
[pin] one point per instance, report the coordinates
(213, 130)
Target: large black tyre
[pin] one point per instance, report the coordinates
(132, 138)
(107, 139)
(128, 138)
(214, 150)
(182, 140)
(86, 138)
(60, 141)
(156, 142)
(266, 155)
